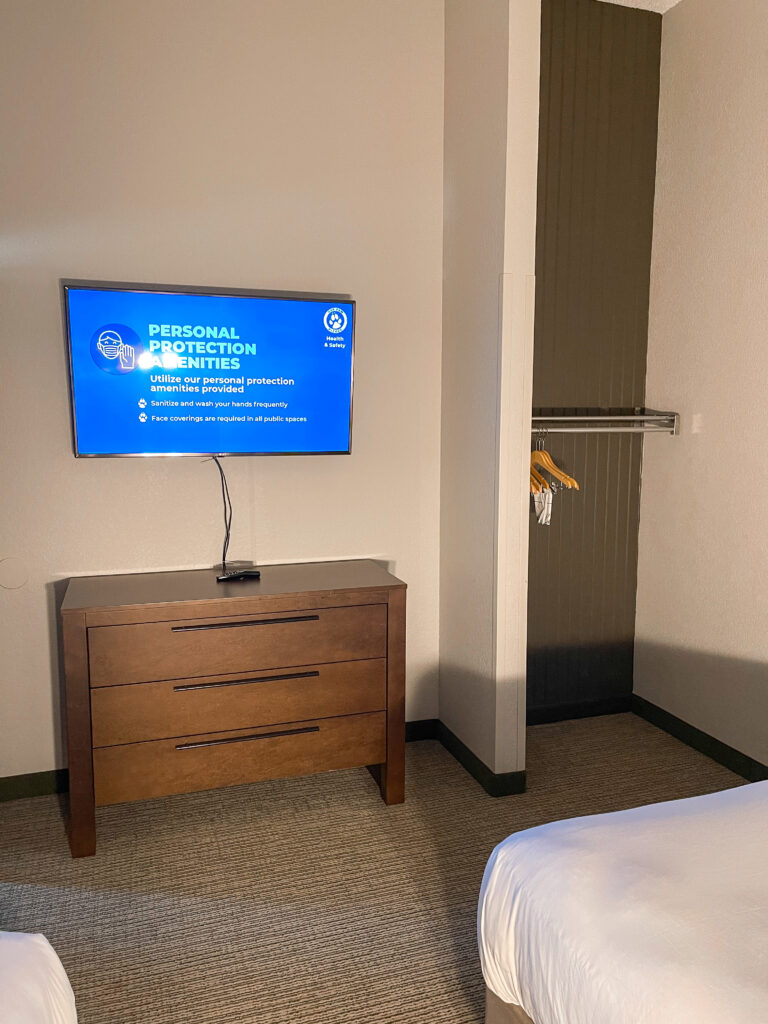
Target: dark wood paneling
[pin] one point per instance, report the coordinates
(597, 160)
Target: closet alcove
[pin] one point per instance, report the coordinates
(597, 165)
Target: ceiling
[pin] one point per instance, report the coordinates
(660, 6)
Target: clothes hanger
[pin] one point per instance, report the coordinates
(540, 457)
(537, 478)
(538, 484)
(544, 459)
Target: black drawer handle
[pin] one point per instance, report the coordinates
(243, 739)
(250, 622)
(245, 682)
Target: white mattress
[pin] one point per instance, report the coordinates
(34, 988)
(657, 915)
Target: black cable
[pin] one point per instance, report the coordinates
(227, 503)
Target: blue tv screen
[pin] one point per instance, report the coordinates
(158, 370)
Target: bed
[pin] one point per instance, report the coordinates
(34, 988)
(656, 915)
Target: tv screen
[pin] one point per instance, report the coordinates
(159, 370)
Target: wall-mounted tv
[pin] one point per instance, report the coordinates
(166, 370)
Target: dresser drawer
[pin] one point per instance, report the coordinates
(201, 647)
(153, 711)
(138, 771)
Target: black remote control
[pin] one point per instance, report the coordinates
(238, 574)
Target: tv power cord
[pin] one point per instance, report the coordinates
(231, 575)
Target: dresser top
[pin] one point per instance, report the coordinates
(152, 588)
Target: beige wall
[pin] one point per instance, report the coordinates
(491, 145)
(702, 647)
(248, 143)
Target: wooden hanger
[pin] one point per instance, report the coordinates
(538, 482)
(544, 459)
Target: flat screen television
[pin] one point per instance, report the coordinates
(167, 370)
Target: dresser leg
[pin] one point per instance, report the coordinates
(82, 831)
(82, 803)
(392, 776)
(392, 783)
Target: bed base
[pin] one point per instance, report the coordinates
(499, 1012)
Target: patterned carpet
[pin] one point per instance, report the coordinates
(307, 900)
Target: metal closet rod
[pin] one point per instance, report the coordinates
(647, 421)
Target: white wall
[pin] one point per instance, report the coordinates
(516, 384)
(491, 144)
(283, 144)
(702, 609)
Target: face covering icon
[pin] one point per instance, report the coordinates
(112, 346)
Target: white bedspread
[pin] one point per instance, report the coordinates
(657, 915)
(34, 988)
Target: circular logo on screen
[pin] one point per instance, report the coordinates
(335, 320)
(116, 348)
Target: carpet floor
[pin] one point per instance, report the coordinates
(307, 901)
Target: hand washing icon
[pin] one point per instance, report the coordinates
(112, 346)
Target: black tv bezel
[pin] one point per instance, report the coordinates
(68, 284)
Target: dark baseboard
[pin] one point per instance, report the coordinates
(737, 762)
(17, 787)
(423, 729)
(502, 784)
(581, 709)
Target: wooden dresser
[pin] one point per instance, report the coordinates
(176, 683)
